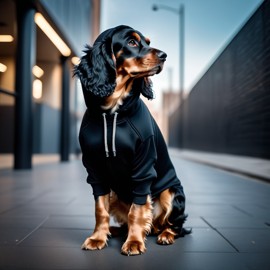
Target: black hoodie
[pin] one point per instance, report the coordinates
(125, 151)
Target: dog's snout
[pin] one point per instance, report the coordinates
(162, 55)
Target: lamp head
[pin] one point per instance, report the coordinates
(155, 7)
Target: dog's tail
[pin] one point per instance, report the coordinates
(184, 231)
(181, 231)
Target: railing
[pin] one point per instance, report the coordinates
(7, 92)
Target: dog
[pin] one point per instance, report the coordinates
(123, 150)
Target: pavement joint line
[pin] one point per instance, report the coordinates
(242, 211)
(216, 230)
(35, 229)
(26, 202)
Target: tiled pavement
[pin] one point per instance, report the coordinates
(46, 213)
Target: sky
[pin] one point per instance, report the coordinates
(209, 27)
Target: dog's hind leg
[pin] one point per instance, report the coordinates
(166, 237)
(98, 239)
(161, 224)
(139, 225)
(168, 224)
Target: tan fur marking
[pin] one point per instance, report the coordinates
(139, 218)
(119, 54)
(98, 239)
(162, 211)
(137, 36)
(122, 89)
(166, 237)
(147, 40)
(119, 210)
(146, 66)
(139, 225)
(130, 69)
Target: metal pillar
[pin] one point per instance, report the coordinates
(181, 13)
(65, 113)
(181, 71)
(181, 50)
(25, 59)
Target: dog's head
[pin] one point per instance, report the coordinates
(119, 52)
(134, 56)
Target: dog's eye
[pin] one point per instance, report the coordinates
(133, 43)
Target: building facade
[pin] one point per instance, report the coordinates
(40, 41)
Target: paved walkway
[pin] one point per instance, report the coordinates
(46, 213)
(249, 166)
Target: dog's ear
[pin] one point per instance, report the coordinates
(145, 84)
(97, 68)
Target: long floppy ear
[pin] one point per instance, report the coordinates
(145, 85)
(97, 69)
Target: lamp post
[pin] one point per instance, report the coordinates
(181, 13)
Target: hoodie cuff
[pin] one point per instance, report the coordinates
(141, 200)
(99, 190)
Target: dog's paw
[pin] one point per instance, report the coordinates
(93, 244)
(166, 238)
(131, 248)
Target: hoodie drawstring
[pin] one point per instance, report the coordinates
(106, 134)
(113, 134)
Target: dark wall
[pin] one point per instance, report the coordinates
(7, 128)
(228, 110)
(46, 130)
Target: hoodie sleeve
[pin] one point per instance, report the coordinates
(99, 187)
(143, 172)
(94, 178)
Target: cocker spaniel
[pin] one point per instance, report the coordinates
(124, 152)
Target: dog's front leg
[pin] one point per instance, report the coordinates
(139, 225)
(98, 239)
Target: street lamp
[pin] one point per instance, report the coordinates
(181, 13)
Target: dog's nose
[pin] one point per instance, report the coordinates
(162, 55)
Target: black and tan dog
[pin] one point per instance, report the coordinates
(123, 149)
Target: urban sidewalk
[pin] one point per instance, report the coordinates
(47, 212)
(254, 167)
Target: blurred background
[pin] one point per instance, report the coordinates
(213, 94)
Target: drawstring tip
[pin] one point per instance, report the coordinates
(113, 134)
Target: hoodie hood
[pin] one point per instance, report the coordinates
(94, 104)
